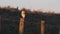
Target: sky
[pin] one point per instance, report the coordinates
(53, 5)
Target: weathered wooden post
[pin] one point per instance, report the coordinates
(43, 18)
(21, 25)
(42, 26)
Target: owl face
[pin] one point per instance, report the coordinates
(23, 14)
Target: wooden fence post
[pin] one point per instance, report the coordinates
(42, 26)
